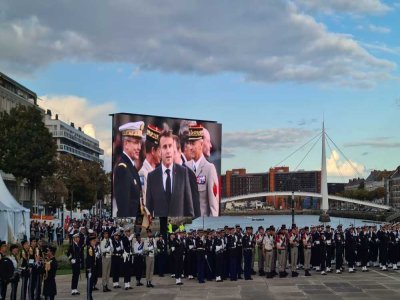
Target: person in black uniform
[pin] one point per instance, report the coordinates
(239, 251)
(218, 248)
(127, 185)
(350, 247)
(329, 244)
(177, 249)
(383, 241)
(191, 255)
(200, 255)
(248, 247)
(59, 234)
(339, 249)
(232, 253)
(74, 255)
(127, 258)
(49, 282)
(116, 259)
(161, 257)
(363, 248)
(210, 256)
(90, 265)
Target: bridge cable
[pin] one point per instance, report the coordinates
(341, 152)
(337, 168)
(312, 147)
(298, 149)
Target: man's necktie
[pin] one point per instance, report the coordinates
(168, 184)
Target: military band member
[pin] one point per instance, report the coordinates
(294, 249)
(49, 280)
(207, 178)
(239, 250)
(36, 270)
(307, 244)
(248, 242)
(383, 240)
(74, 256)
(316, 248)
(127, 186)
(106, 250)
(116, 259)
(138, 262)
(91, 265)
(149, 251)
(231, 247)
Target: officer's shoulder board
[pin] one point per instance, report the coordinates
(122, 165)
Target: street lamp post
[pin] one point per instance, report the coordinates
(292, 208)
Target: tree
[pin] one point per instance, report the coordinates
(86, 181)
(27, 149)
(53, 190)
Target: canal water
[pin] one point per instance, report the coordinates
(276, 220)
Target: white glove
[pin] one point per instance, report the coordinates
(172, 249)
(73, 261)
(205, 256)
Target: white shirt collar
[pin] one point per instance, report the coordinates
(163, 167)
(197, 163)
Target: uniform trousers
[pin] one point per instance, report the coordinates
(149, 267)
(294, 253)
(106, 268)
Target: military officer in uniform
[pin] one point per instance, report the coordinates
(106, 250)
(307, 245)
(268, 251)
(25, 272)
(127, 186)
(207, 178)
(116, 259)
(91, 266)
(151, 161)
(248, 242)
(260, 242)
(149, 251)
(49, 282)
(339, 249)
(138, 262)
(162, 254)
(219, 248)
(74, 256)
(294, 249)
(200, 255)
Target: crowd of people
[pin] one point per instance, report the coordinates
(108, 251)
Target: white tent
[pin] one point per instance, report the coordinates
(14, 218)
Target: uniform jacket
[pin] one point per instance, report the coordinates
(143, 172)
(127, 188)
(207, 184)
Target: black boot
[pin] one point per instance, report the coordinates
(295, 274)
(269, 275)
(147, 285)
(150, 284)
(281, 275)
(307, 273)
(261, 273)
(138, 283)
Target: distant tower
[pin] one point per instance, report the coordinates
(324, 181)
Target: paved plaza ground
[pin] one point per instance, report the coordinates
(372, 285)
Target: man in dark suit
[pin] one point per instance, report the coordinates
(168, 187)
(127, 187)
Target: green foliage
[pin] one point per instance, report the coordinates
(86, 181)
(362, 194)
(27, 149)
(53, 190)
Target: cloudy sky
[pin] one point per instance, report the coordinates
(269, 71)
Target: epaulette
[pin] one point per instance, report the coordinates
(122, 164)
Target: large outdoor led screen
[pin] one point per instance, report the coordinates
(165, 166)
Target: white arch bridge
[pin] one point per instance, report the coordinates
(305, 194)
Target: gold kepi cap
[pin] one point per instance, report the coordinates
(195, 132)
(153, 134)
(132, 129)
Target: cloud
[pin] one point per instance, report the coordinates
(379, 29)
(93, 118)
(383, 48)
(370, 7)
(304, 122)
(378, 142)
(337, 168)
(200, 37)
(264, 139)
(228, 153)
